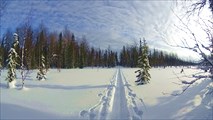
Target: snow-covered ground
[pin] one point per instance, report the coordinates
(101, 93)
(195, 103)
(62, 95)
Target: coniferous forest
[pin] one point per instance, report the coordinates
(65, 50)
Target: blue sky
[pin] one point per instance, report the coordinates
(105, 23)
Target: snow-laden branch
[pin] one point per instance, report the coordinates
(187, 83)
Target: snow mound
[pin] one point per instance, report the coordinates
(12, 84)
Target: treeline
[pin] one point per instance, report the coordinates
(157, 58)
(61, 50)
(64, 50)
(160, 58)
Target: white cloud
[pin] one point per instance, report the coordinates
(114, 23)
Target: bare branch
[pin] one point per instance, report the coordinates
(188, 83)
(176, 75)
(196, 8)
(177, 83)
(198, 44)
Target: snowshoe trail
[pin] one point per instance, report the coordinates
(118, 101)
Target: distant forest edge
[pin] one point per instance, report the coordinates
(64, 50)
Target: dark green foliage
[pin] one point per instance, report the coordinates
(157, 58)
(63, 50)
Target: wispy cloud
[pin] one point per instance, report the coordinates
(104, 23)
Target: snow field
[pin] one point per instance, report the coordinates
(102, 108)
(117, 102)
(194, 103)
(63, 94)
(107, 100)
(133, 101)
(106, 93)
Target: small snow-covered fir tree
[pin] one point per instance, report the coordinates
(12, 58)
(41, 75)
(143, 62)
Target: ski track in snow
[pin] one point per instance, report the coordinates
(118, 101)
(118, 108)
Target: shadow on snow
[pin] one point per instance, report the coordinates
(62, 87)
(195, 103)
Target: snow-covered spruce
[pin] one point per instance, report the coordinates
(12, 63)
(143, 62)
(41, 75)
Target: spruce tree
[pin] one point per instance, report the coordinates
(41, 75)
(12, 63)
(143, 64)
